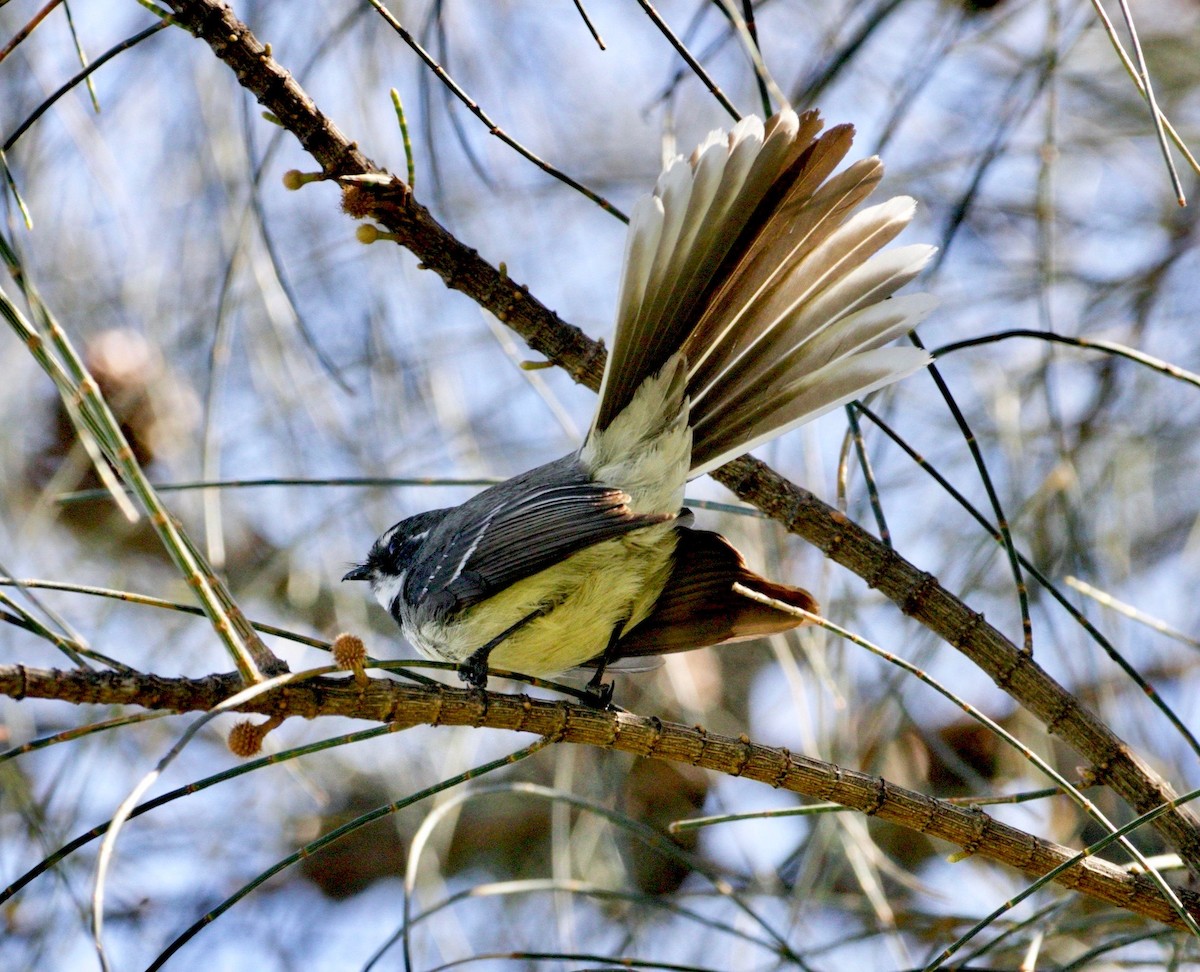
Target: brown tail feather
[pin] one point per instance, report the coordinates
(699, 607)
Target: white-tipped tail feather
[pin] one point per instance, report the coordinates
(750, 259)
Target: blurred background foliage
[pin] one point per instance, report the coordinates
(243, 334)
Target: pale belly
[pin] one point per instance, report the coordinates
(585, 597)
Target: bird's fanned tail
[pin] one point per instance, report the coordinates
(749, 258)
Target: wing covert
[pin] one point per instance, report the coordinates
(514, 530)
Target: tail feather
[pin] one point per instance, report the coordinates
(732, 320)
(808, 297)
(845, 251)
(784, 239)
(748, 424)
(815, 330)
(728, 176)
(872, 327)
(722, 170)
(749, 259)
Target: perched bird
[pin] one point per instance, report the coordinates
(753, 299)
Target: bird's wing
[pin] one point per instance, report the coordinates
(513, 531)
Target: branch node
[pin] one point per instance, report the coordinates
(786, 757)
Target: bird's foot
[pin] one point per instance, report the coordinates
(474, 671)
(598, 695)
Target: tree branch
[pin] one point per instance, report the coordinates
(391, 702)
(918, 594)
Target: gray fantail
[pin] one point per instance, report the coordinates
(753, 299)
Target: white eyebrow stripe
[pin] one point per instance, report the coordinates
(385, 541)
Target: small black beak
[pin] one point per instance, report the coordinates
(358, 572)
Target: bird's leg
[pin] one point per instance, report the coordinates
(599, 694)
(474, 671)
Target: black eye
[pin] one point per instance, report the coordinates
(399, 542)
(404, 547)
(389, 544)
(399, 545)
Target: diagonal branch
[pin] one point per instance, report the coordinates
(387, 701)
(388, 201)
(91, 415)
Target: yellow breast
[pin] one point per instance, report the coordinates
(584, 597)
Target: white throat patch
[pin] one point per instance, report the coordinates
(386, 587)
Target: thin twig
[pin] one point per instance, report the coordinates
(30, 26)
(82, 75)
(681, 49)
(590, 26)
(1111, 32)
(1148, 92)
(985, 478)
(478, 112)
(1108, 347)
